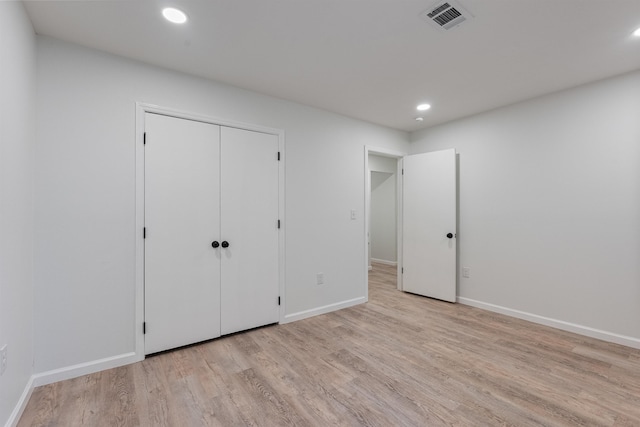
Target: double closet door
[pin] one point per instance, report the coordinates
(211, 231)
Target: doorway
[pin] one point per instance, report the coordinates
(382, 210)
(383, 219)
(425, 220)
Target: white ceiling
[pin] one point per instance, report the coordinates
(369, 59)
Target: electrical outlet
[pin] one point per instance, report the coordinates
(353, 214)
(319, 278)
(3, 359)
(465, 272)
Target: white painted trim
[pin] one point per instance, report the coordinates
(323, 310)
(86, 368)
(21, 405)
(398, 155)
(384, 261)
(139, 245)
(400, 216)
(166, 111)
(554, 323)
(367, 220)
(384, 152)
(141, 109)
(283, 224)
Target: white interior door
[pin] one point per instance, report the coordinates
(429, 224)
(249, 224)
(182, 219)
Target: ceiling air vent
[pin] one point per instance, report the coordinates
(446, 14)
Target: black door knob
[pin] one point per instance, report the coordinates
(449, 235)
(215, 244)
(225, 244)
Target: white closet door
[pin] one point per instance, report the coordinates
(182, 219)
(429, 224)
(249, 216)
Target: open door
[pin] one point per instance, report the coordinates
(429, 224)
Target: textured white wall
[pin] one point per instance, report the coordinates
(17, 138)
(85, 194)
(550, 205)
(382, 164)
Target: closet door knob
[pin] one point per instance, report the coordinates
(449, 235)
(225, 244)
(215, 244)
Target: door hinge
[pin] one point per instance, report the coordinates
(278, 223)
(144, 328)
(144, 139)
(144, 232)
(402, 171)
(278, 300)
(278, 156)
(402, 270)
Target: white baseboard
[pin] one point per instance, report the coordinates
(80, 369)
(554, 323)
(22, 403)
(384, 261)
(323, 310)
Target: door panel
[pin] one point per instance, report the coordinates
(429, 214)
(182, 269)
(249, 214)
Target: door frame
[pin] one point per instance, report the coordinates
(141, 108)
(398, 155)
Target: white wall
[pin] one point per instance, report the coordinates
(550, 206)
(383, 164)
(85, 195)
(17, 138)
(383, 208)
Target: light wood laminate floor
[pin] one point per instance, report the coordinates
(399, 360)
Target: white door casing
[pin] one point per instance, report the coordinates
(182, 218)
(429, 217)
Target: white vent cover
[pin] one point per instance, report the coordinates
(446, 14)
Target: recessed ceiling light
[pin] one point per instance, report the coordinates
(637, 32)
(419, 119)
(423, 107)
(174, 15)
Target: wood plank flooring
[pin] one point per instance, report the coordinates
(399, 360)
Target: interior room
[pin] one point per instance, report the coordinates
(535, 106)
